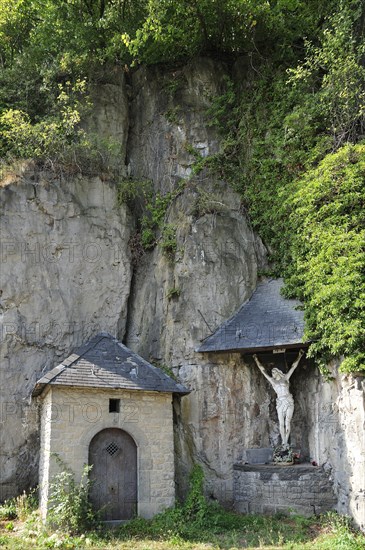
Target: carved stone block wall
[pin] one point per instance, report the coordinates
(72, 417)
(299, 489)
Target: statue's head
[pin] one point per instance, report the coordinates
(277, 374)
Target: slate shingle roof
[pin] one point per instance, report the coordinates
(104, 362)
(267, 321)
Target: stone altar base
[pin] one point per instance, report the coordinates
(268, 489)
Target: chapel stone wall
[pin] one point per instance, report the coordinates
(71, 418)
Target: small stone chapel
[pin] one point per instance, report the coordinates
(107, 407)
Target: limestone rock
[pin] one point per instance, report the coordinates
(168, 117)
(177, 301)
(65, 275)
(336, 436)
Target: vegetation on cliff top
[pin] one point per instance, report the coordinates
(294, 150)
(291, 136)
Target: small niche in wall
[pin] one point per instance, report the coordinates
(114, 405)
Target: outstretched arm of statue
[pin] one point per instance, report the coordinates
(261, 367)
(295, 364)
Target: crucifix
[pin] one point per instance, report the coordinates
(284, 400)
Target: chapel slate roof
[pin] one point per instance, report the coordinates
(265, 322)
(104, 362)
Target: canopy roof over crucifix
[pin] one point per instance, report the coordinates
(267, 321)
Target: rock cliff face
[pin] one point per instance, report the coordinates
(336, 422)
(67, 273)
(215, 267)
(175, 304)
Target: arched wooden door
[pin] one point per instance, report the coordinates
(113, 456)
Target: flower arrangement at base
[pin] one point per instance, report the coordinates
(283, 454)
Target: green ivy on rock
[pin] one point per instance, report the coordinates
(327, 213)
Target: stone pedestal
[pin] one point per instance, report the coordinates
(268, 489)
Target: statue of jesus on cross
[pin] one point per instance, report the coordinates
(284, 401)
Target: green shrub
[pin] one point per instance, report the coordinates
(19, 507)
(153, 221)
(168, 242)
(208, 203)
(195, 507)
(130, 190)
(328, 236)
(304, 199)
(343, 536)
(8, 509)
(173, 293)
(26, 503)
(70, 508)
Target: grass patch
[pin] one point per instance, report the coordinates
(223, 530)
(195, 525)
(220, 528)
(213, 527)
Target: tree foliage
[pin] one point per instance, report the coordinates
(327, 213)
(305, 199)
